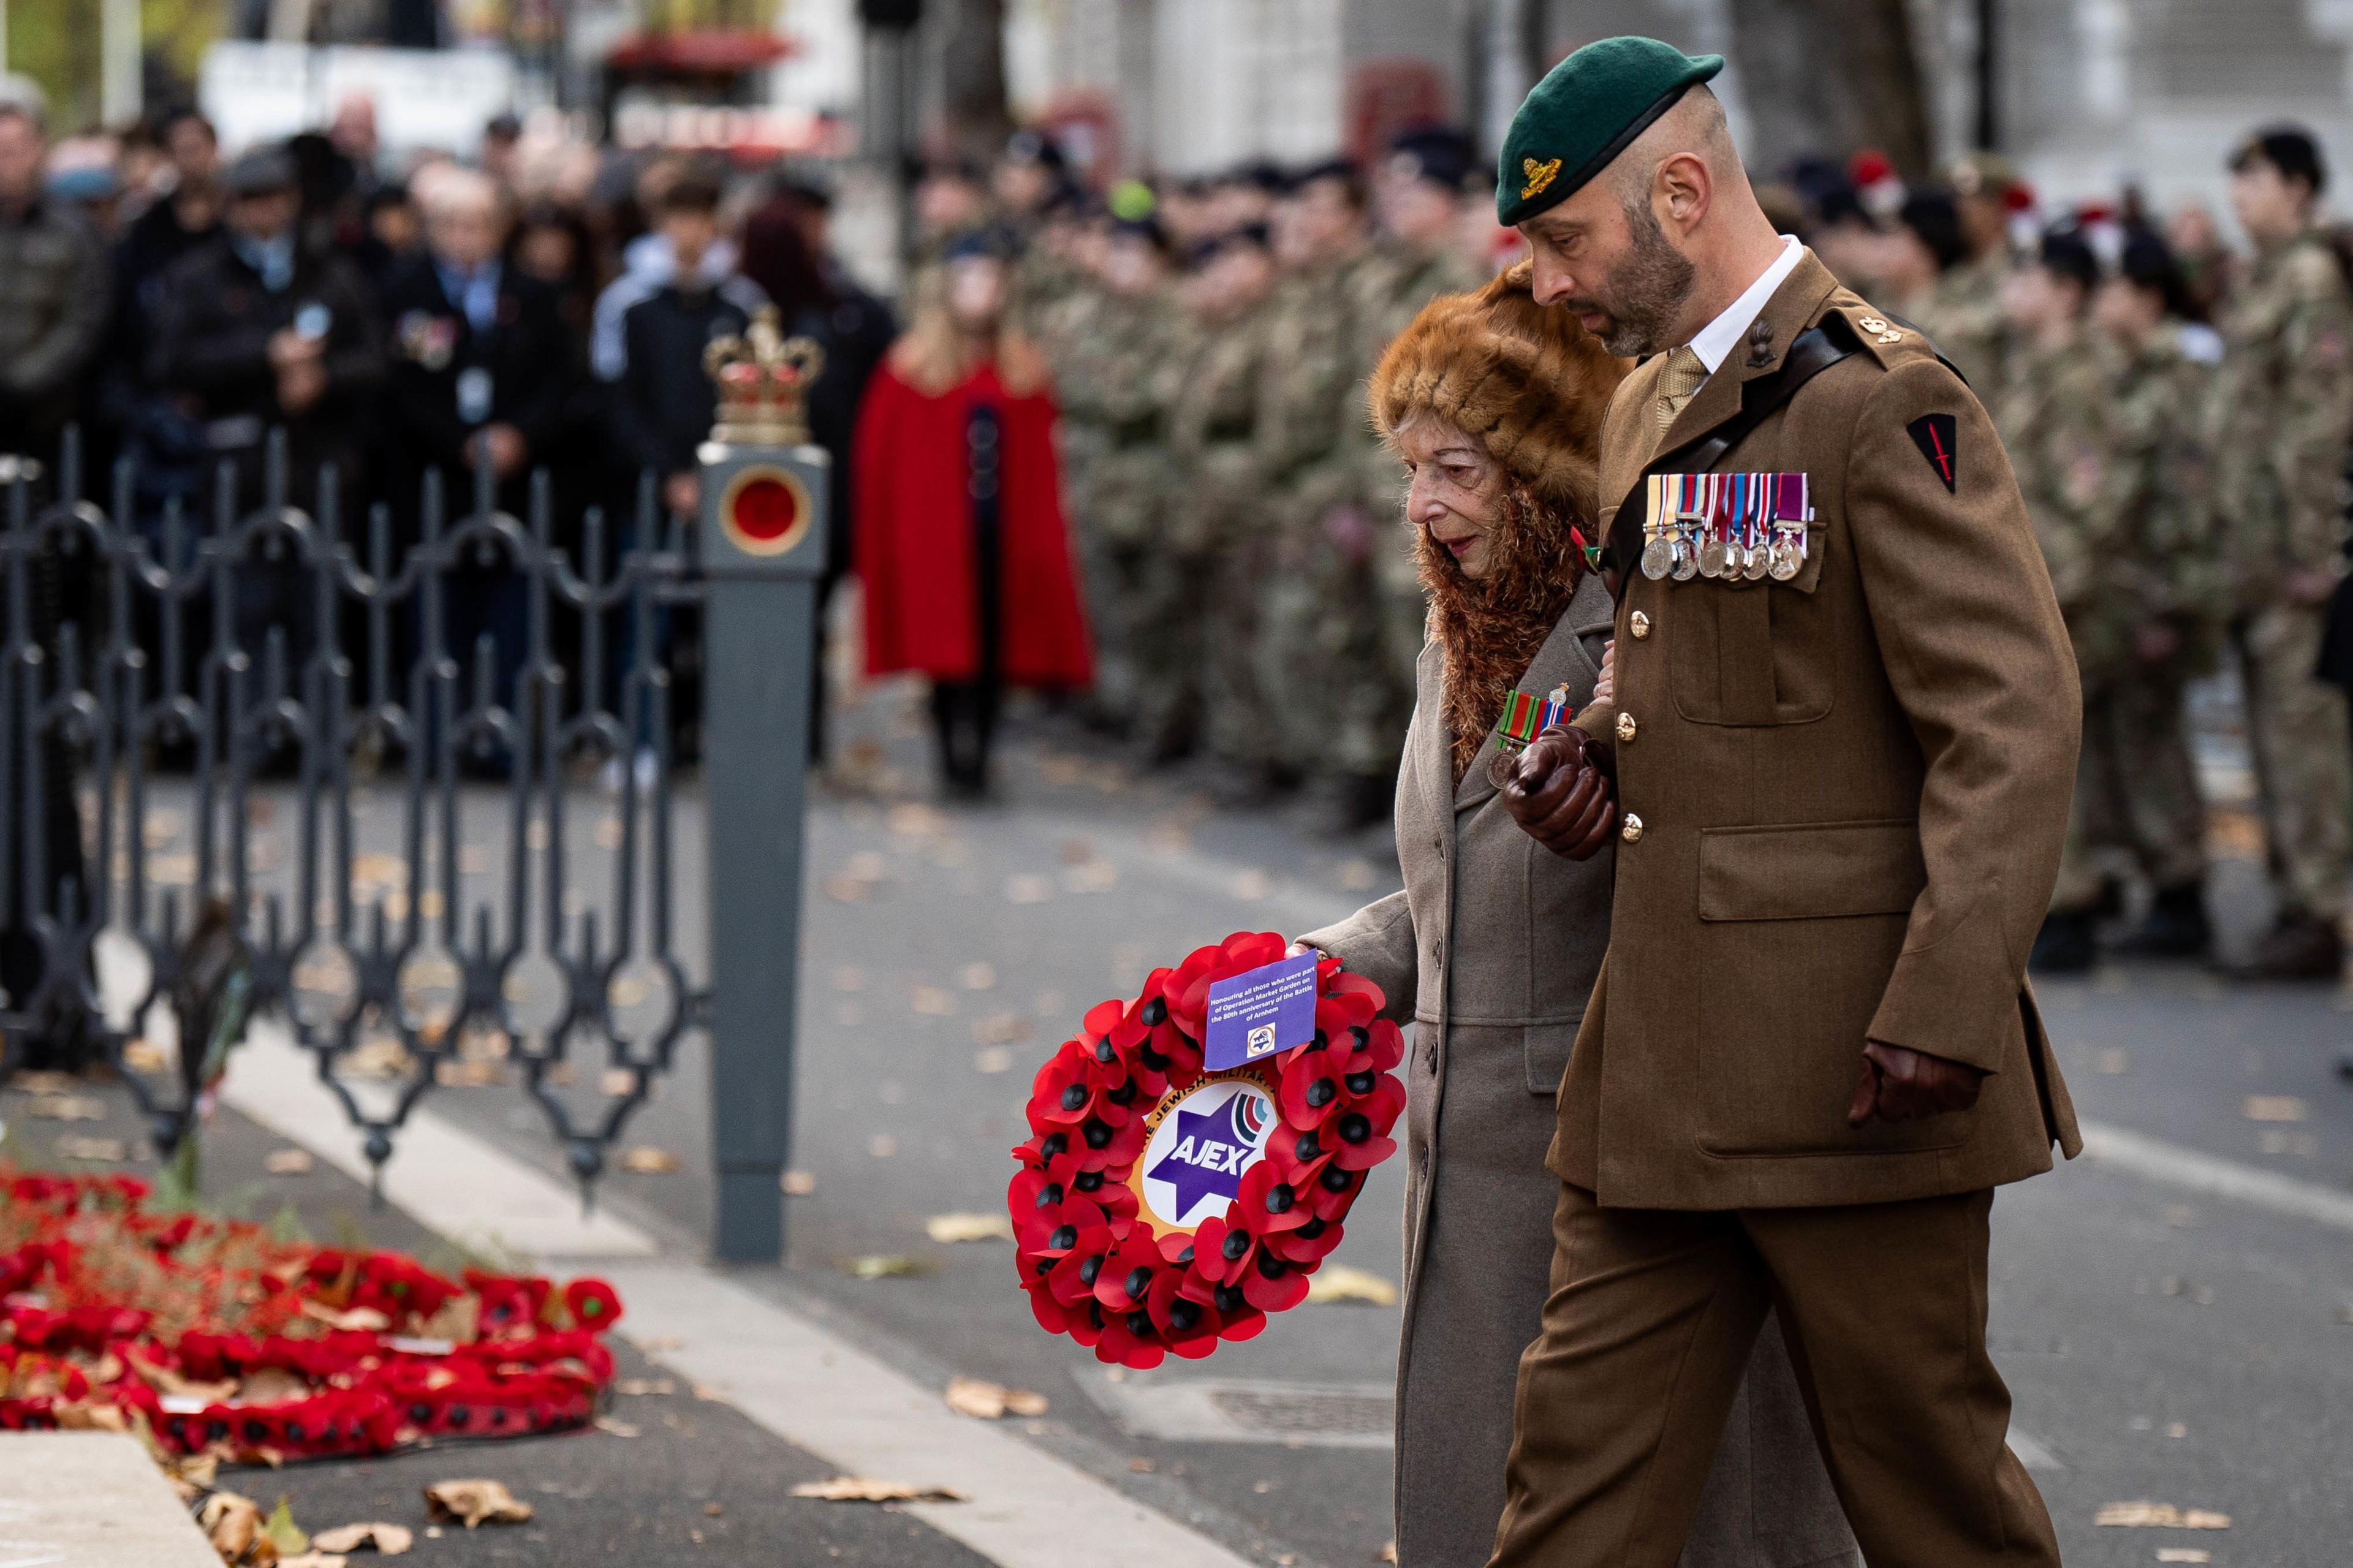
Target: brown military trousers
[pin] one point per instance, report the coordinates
(1623, 1399)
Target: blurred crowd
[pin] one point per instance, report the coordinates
(2178, 408)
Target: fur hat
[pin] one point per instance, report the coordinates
(1523, 378)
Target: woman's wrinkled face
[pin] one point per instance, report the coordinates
(1457, 490)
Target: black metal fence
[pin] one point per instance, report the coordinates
(414, 712)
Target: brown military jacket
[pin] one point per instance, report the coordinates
(1844, 797)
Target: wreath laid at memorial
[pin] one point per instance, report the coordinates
(1165, 1207)
(208, 1336)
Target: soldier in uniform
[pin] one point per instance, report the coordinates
(1317, 651)
(2160, 587)
(1217, 517)
(1118, 383)
(1842, 731)
(2279, 420)
(2053, 419)
(1418, 256)
(1968, 326)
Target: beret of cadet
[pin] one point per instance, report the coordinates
(1438, 154)
(1587, 111)
(2291, 150)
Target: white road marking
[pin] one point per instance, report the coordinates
(449, 1179)
(2157, 1159)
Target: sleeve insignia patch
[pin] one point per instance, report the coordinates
(1539, 176)
(1935, 435)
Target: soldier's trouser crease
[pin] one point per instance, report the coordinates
(2296, 724)
(1623, 1399)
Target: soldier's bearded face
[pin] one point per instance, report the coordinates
(1606, 260)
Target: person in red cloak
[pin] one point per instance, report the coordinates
(961, 543)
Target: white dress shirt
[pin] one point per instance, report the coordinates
(1716, 338)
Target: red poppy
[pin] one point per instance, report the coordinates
(1126, 1276)
(1129, 1340)
(1064, 1092)
(1272, 1284)
(1363, 1128)
(1267, 1203)
(1221, 1249)
(1308, 1244)
(1072, 1278)
(592, 1303)
(1188, 1326)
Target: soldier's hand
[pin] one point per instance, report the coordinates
(1559, 798)
(1900, 1085)
(1606, 689)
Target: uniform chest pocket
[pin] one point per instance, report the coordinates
(1752, 653)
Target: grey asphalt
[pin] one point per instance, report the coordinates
(2160, 1346)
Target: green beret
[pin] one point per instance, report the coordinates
(1587, 111)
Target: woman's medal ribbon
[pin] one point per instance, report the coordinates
(1524, 718)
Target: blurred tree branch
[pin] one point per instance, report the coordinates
(1832, 79)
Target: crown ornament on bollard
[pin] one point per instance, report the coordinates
(764, 379)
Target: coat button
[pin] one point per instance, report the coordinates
(1625, 726)
(1639, 624)
(1631, 830)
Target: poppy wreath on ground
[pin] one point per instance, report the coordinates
(1162, 1209)
(208, 1336)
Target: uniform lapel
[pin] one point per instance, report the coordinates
(1791, 309)
(1561, 661)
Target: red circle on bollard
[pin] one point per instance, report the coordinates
(765, 511)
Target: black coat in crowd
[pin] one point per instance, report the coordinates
(662, 406)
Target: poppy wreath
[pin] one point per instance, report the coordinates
(206, 1336)
(1287, 1140)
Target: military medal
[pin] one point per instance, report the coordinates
(1754, 563)
(1713, 554)
(1658, 555)
(1688, 523)
(1524, 720)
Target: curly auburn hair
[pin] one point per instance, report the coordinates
(1531, 386)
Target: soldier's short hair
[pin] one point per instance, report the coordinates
(2291, 150)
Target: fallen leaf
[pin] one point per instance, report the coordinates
(993, 1059)
(1341, 1283)
(1077, 851)
(1141, 1466)
(2146, 1515)
(366, 1320)
(615, 1427)
(1356, 876)
(1387, 1553)
(645, 1160)
(643, 1387)
(977, 977)
(391, 1540)
(67, 1108)
(847, 978)
(112, 1149)
(617, 1083)
(662, 1343)
(847, 889)
(954, 1227)
(797, 1183)
(233, 1523)
(1000, 1030)
(2113, 1062)
(884, 1266)
(1252, 884)
(1028, 888)
(282, 1531)
(2184, 1555)
(271, 1385)
(288, 1162)
(882, 1146)
(866, 1488)
(31, 1081)
(2274, 1108)
(473, 1502)
(315, 1560)
(985, 1401)
(142, 1055)
(1094, 877)
(932, 1002)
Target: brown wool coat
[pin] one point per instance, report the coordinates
(1851, 790)
(1490, 951)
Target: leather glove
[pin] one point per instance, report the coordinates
(1896, 1084)
(1559, 797)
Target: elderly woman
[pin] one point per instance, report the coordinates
(1496, 404)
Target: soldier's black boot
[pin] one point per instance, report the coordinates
(2176, 926)
(2065, 944)
(2299, 946)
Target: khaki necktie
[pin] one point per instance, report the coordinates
(1679, 380)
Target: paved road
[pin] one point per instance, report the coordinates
(2162, 1343)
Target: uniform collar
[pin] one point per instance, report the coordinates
(1716, 341)
(1791, 308)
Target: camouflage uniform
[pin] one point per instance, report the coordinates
(2052, 421)
(1217, 530)
(2278, 417)
(1963, 317)
(2136, 788)
(1319, 652)
(1396, 288)
(1118, 380)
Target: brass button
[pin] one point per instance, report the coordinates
(1639, 624)
(1631, 830)
(1625, 726)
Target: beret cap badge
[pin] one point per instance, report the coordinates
(1539, 176)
